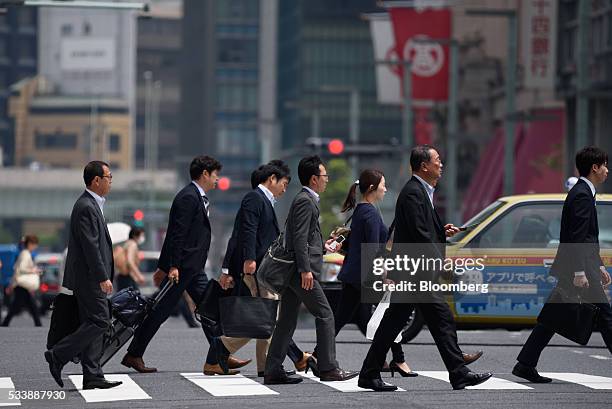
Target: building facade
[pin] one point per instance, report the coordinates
(18, 60)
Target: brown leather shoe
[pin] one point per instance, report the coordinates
(469, 358)
(235, 363)
(300, 365)
(136, 363)
(337, 374)
(216, 370)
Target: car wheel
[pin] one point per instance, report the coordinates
(413, 327)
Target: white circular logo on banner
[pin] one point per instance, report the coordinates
(427, 58)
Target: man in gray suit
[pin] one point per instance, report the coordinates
(304, 237)
(89, 272)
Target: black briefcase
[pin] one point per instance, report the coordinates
(277, 266)
(207, 310)
(568, 315)
(247, 316)
(64, 318)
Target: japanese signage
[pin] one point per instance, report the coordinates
(539, 25)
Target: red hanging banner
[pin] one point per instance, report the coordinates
(429, 60)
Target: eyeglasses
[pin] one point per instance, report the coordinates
(109, 176)
(324, 176)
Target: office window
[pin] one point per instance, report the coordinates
(237, 141)
(114, 142)
(237, 51)
(3, 47)
(27, 49)
(237, 9)
(66, 30)
(58, 140)
(237, 96)
(27, 16)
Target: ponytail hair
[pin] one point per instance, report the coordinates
(368, 181)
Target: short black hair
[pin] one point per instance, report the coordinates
(418, 155)
(308, 167)
(201, 163)
(135, 232)
(93, 169)
(256, 177)
(589, 156)
(275, 167)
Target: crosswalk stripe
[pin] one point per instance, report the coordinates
(590, 381)
(342, 386)
(228, 385)
(600, 357)
(491, 384)
(128, 390)
(7, 385)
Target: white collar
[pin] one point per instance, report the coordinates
(99, 199)
(429, 188)
(268, 194)
(202, 192)
(312, 192)
(591, 185)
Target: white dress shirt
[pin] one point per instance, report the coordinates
(99, 200)
(428, 188)
(268, 194)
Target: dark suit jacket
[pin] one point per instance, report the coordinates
(579, 239)
(188, 236)
(303, 233)
(255, 228)
(89, 260)
(418, 223)
(367, 226)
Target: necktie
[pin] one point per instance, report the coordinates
(206, 203)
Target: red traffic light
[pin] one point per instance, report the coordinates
(335, 146)
(138, 215)
(224, 183)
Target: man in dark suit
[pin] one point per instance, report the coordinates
(183, 254)
(577, 265)
(255, 228)
(303, 236)
(418, 223)
(89, 272)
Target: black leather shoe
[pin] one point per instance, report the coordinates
(469, 358)
(55, 367)
(337, 374)
(311, 364)
(100, 384)
(376, 385)
(222, 354)
(281, 380)
(470, 379)
(529, 373)
(287, 373)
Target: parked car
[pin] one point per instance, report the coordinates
(519, 236)
(50, 264)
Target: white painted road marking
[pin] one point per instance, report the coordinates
(491, 384)
(128, 390)
(590, 381)
(6, 385)
(228, 385)
(342, 386)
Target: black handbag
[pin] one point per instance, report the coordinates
(568, 315)
(129, 307)
(248, 316)
(277, 266)
(207, 311)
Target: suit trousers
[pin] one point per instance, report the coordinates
(87, 340)
(541, 336)
(191, 281)
(316, 303)
(350, 306)
(439, 320)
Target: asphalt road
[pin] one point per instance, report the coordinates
(178, 352)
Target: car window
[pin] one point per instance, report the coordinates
(530, 225)
(604, 217)
(479, 218)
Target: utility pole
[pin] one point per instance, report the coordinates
(582, 77)
(510, 91)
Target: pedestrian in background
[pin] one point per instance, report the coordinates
(25, 283)
(130, 275)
